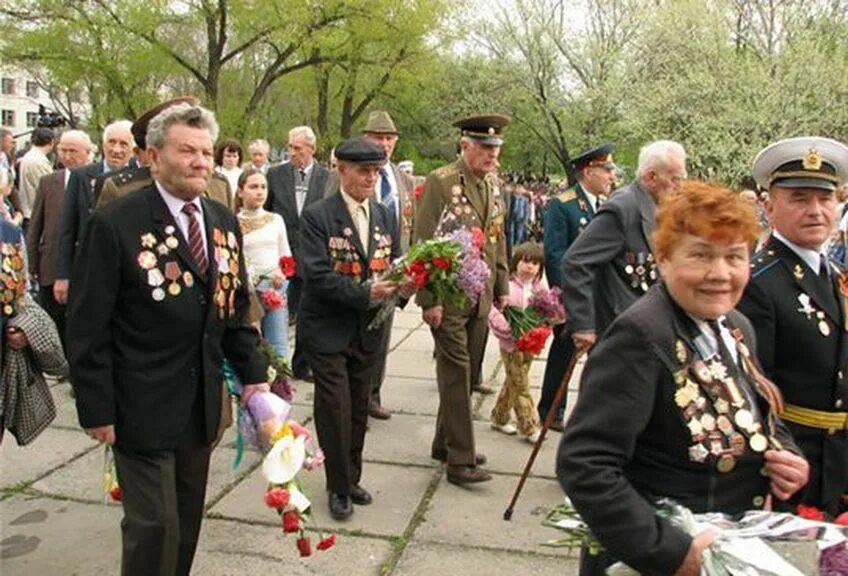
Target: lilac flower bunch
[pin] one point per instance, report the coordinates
(549, 304)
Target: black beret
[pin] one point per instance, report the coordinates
(360, 151)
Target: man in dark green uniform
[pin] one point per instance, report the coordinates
(566, 217)
(467, 190)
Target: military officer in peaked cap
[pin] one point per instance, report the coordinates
(566, 216)
(796, 300)
(465, 191)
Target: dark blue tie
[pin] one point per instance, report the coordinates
(386, 196)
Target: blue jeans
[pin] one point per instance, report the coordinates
(275, 323)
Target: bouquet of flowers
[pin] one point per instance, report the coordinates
(111, 488)
(531, 326)
(264, 283)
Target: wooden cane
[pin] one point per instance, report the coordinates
(549, 419)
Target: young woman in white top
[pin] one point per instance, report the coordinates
(228, 162)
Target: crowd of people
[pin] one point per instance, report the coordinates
(715, 321)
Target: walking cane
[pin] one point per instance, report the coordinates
(549, 419)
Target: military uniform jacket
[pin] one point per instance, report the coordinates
(335, 308)
(134, 178)
(453, 191)
(804, 350)
(147, 333)
(611, 264)
(632, 438)
(566, 216)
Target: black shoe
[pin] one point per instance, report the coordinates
(305, 376)
(467, 475)
(360, 496)
(340, 506)
(479, 458)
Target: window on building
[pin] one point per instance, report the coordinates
(7, 117)
(32, 119)
(32, 89)
(7, 85)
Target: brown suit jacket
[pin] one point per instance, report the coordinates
(43, 233)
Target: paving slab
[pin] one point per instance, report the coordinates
(409, 317)
(421, 559)
(47, 536)
(402, 440)
(474, 515)
(51, 449)
(399, 336)
(229, 548)
(66, 408)
(419, 341)
(397, 491)
(412, 364)
(411, 395)
(509, 454)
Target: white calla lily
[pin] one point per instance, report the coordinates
(284, 460)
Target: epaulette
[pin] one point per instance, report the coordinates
(446, 171)
(129, 174)
(569, 194)
(762, 261)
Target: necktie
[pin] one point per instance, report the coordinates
(823, 273)
(302, 175)
(387, 197)
(195, 238)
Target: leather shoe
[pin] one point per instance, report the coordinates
(378, 412)
(479, 458)
(340, 506)
(304, 376)
(360, 496)
(484, 389)
(467, 475)
(556, 426)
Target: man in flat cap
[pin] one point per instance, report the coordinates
(394, 189)
(347, 241)
(796, 300)
(566, 216)
(611, 264)
(466, 191)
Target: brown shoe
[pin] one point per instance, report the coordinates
(479, 458)
(556, 426)
(467, 475)
(483, 389)
(378, 412)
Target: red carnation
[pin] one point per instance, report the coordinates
(417, 267)
(842, 519)
(477, 237)
(115, 494)
(420, 280)
(304, 546)
(418, 190)
(276, 498)
(327, 543)
(442, 263)
(810, 513)
(533, 341)
(291, 522)
(272, 300)
(287, 266)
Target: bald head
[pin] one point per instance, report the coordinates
(74, 149)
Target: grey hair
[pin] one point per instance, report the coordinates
(656, 154)
(180, 114)
(118, 125)
(78, 135)
(304, 131)
(261, 142)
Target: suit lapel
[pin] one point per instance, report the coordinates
(583, 202)
(162, 221)
(344, 220)
(805, 279)
(647, 210)
(314, 191)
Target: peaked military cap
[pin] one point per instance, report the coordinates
(485, 128)
(805, 162)
(600, 156)
(139, 127)
(379, 122)
(360, 151)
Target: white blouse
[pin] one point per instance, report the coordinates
(264, 246)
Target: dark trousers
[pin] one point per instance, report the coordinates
(382, 358)
(163, 494)
(460, 344)
(562, 349)
(55, 310)
(594, 565)
(342, 392)
(299, 364)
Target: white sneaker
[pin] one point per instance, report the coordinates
(507, 428)
(532, 438)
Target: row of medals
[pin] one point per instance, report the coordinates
(12, 278)
(641, 269)
(717, 435)
(148, 260)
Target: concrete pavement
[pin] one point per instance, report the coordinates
(53, 519)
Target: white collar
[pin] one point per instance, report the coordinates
(812, 258)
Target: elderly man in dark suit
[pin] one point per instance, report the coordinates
(79, 199)
(158, 300)
(74, 150)
(347, 241)
(291, 188)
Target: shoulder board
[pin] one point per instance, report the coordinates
(569, 194)
(446, 171)
(762, 261)
(221, 177)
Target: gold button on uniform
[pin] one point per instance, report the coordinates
(758, 501)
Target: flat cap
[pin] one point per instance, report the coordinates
(360, 151)
(485, 128)
(599, 156)
(380, 122)
(804, 162)
(139, 127)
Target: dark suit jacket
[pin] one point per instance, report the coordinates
(43, 232)
(627, 442)
(566, 216)
(79, 202)
(118, 184)
(611, 263)
(810, 367)
(335, 307)
(281, 197)
(146, 364)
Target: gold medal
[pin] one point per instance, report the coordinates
(697, 453)
(171, 242)
(798, 271)
(681, 397)
(737, 444)
(758, 443)
(824, 328)
(695, 427)
(743, 419)
(702, 372)
(225, 282)
(148, 240)
(188, 279)
(146, 259)
(7, 309)
(680, 351)
(169, 230)
(721, 406)
(174, 289)
(726, 463)
(708, 422)
(724, 424)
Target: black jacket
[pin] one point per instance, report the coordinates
(282, 200)
(79, 203)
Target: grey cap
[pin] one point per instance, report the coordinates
(804, 162)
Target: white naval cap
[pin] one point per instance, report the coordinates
(804, 162)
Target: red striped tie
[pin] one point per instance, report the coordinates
(195, 238)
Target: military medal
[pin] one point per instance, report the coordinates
(583, 221)
(743, 419)
(158, 294)
(697, 453)
(146, 259)
(169, 230)
(823, 327)
(702, 372)
(798, 272)
(726, 463)
(171, 242)
(231, 240)
(155, 277)
(628, 269)
(724, 424)
(162, 250)
(188, 279)
(722, 406)
(148, 240)
(758, 442)
(695, 427)
(708, 422)
(172, 273)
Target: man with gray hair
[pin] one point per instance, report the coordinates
(79, 199)
(611, 264)
(259, 150)
(293, 186)
(160, 299)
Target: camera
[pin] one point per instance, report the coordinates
(49, 119)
